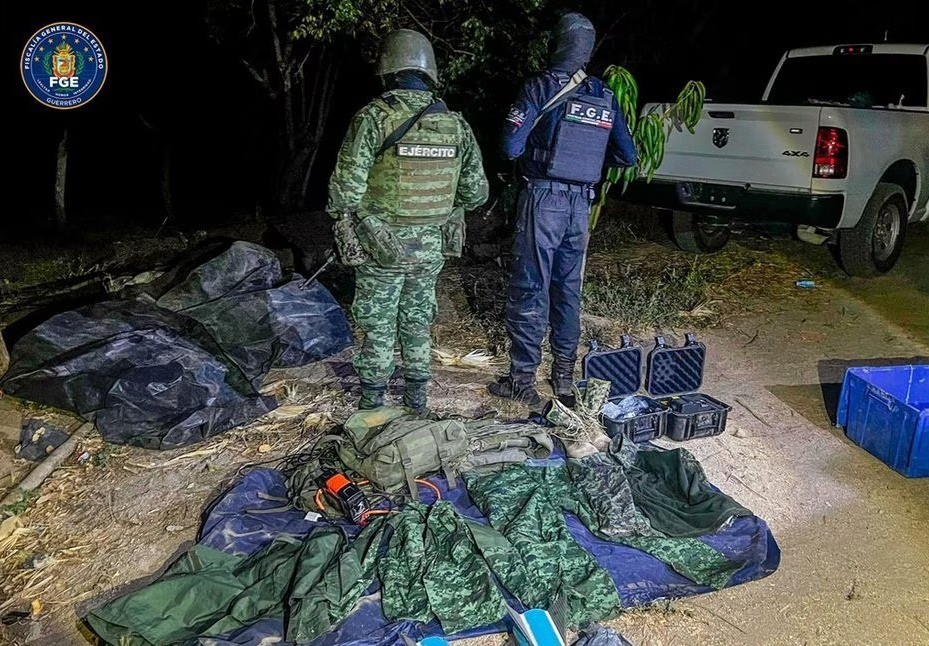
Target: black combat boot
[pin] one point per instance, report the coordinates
(372, 395)
(414, 394)
(521, 389)
(563, 381)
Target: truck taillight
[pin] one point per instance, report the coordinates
(831, 158)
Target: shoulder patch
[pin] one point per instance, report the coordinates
(390, 100)
(516, 116)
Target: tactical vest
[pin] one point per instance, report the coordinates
(415, 181)
(391, 448)
(580, 137)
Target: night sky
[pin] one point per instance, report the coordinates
(163, 66)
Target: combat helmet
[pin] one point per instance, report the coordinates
(405, 49)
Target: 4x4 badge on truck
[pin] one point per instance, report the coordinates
(720, 137)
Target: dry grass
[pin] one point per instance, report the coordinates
(631, 286)
(477, 359)
(653, 287)
(113, 513)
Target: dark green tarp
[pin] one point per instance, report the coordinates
(166, 373)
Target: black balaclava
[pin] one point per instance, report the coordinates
(574, 43)
(407, 80)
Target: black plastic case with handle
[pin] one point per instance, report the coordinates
(622, 367)
(674, 374)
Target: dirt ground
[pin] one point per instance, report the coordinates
(854, 535)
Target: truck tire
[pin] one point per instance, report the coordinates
(873, 245)
(691, 234)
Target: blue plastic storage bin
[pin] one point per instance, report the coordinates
(885, 411)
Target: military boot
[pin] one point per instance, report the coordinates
(563, 381)
(521, 389)
(372, 396)
(414, 394)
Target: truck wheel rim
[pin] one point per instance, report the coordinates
(886, 231)
(709, 230)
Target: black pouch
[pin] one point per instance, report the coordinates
(379, 241)
(351, 251)
(453, 234)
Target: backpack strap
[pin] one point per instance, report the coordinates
(406, 464)
(338, 439)
(436, 106)
(563, 95)
(445, 456)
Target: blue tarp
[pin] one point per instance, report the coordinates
(231, 525)
(166, 373)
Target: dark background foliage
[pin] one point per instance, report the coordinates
(249, 99)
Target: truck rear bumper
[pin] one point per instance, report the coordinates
(727, 203)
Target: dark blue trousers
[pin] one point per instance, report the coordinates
(545, 275)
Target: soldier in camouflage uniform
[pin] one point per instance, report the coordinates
(399, 203)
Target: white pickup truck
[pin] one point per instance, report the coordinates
(839, 146)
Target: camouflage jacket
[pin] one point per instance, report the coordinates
(352, 178)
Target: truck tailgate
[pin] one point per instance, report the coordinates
(762, 145)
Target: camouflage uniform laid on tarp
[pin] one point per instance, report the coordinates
(527, 505)
(437, 563)
(402, 204)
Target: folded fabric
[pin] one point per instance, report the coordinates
(525, 505)
(311, 583)
(671, 489)
(435, 568)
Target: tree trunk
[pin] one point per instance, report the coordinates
(61, 172)
(298, 78)
(4, 356)
(164, 183)
(166, 201)
(312, 98)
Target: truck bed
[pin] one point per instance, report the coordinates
(763, 146)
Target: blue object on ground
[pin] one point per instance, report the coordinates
(38, 438)
(885, 411)
(627, 407)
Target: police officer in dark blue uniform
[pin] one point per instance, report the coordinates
(562, 130)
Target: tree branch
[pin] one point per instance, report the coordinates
(436, 39)
(254, 25)
(261, 79)
(275, 37)
(144, 122)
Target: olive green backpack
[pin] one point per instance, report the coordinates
(392, 447)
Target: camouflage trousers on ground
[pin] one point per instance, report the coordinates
(395, 303)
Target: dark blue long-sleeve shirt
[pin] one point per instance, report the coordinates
(520, 137)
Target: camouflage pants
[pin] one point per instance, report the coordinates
(391, 303)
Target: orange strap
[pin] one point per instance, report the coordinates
(318, 497)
